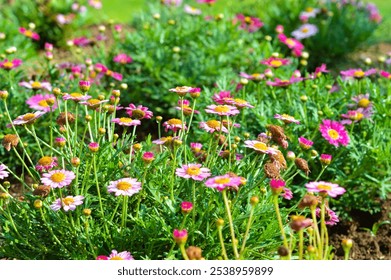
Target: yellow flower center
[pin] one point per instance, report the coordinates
(124, 186)
(305, 30)
(323, 187)
(182, 89)
(260, 146)
(36, 85)
(76, 95)
(68, 200)
(357, 116)
(45, 161)
(8, 65)
(276, 63)
(309, 9)
(247, 19)
(28, 33)
(290, 42)
(333, 134)
(213, 124)
(93, 101)
(125, 120)
(221, 109)
(193, 170)
(138, 114)
(240, 101)
(363, 103)
(28, 116)
(222, 181)
(116, 258)
(359, 74)
(193, 9)
(174, 122)
(43, 103)
(288, 117)
(284, 81)
(57, 177)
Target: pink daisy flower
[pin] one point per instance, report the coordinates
(126, 121)
(191, 10)
(293, 44)
(333, 190)
(334, 133)
(97, 4)
(325, 159)
(93, 103)
(28, 118)
(35, 85)
(29, 33)
(212, 126)
(39, 102)
(76, 97)
(222, 182)
(193, 171)
(330, 217)
(180, 236)
(165, 140)
(250, 24)
(287, 119)
(305, 144)
(67, 203)
(46, 163)
(277, 186)
(3, 172)
(361, 101)
(221, 97)
(176, 3)
(385, 74)
(357, 73)
(124, 186)
(122, 58)
(305, 31)
(195, 147)
(138, 112)
(319, 70)
(148, 157)
(124, 255)
(174, 125)
(58, 178)
(353, 116)
(181, 91)
(8, 65)
(287, 194)
(222, 110)
(284, 83)
(254, 77)
(239, 103)
(275, 62)
(259, 147)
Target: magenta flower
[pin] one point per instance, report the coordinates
(305, 144)
(255, 76)
(319, 70)
(148, 157)
(353, 116)
(176, 3)
(305, 31)
(334, 133)
(385, 74)
(357, 73)
(58, 178)
(331, 218)
(124, 186)
(3, 172)
(212, 126)
(93, 147)
(81, 41)
(138, 112)
(287, 194)
(186, 207)
(29, 33)
(221, 97)
(333, 190)
(193, 171)
(97, 4)
(275, 62)
(277, 186)
(8, 65)
(325, 159)
(222, 110)
(39, 102)
(287, 119)
(250, 24)
(46, 163)
(174, 125)
(283, 83)
(210, 2)
(28, 118)
(124, 255)
(84, 86)
(222, 182)
(293, 44)
(35, 85)
(260, 147)
(180, 236)
(126, 121)
(67, 203)
(122, 58)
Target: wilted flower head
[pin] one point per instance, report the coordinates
(10, 140)
(300, 222)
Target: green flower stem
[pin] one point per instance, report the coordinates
(183, 221)
(321, 172)
(159, 132)
(188, 129)
(280, 224)
(194, 212)
(99, 196)
(115, 210)
(36, 139)
(172, 179)
(323, 227)
(51, 231)
(301, 244)
(51, 129)
(44, 143)
(131, 143)
(223, 251)
(231, 226)
(24, 164)
(20, 179)
(183, 251)
(182, 119)
(319, 245)
(89, 126)
(142, 191)
(76, 124)
(249, 222)
(124, 212)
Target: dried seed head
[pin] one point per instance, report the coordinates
(308, 200)
(283, 251)
(194, 253)
(302, 164)
(42, 191)
(278, 159)
(62, 118)
(271, 170)
(10, 140)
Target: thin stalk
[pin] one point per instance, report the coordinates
(223, 251)
(249, 222)
(99, 196)
(301, 244)
(280, 224)
(231, 226)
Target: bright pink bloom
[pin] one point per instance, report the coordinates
(186, 207)
(67, 203)
(122, 59)
(196, 147)
(193, 171)
(275, 62)
(325, 159)
(148, 157)
(180, 236)
(319, 70)
(124, 186)
(8, 65)
(334, 132)
(333, 190)
(35, 85)
(221, 97)
(212, 126)
(39, 102)
(222, 182)
(81, 41)
(125, 255)
(304, 143)
(206, 1)
(58, 178)
(357, 73)
(277, 186)
(283, 83)
(250, 24)
(29, 33)
(385, 74)
(138, 112)
(174, 125)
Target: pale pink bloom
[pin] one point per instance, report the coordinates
(206, 1)
(192, 11)
(138, 112)
(28, 118)
(361, 101)
(239, 103)
(305, 31)
(195, 147)
(256, 76)
(275, 62)
(357, 73)
(165, 140)
(287, 194)
(58, 178)
(222, 182)
(29, 33)
(97, 4)
(36, 85)
(310, 13)
(353, 116)
(118, 27)
(39, 102)
(193, 171)
(124, 255)
(279, 29)
(46, 163)
(287, 119)
(334, 133)
(174, 125)
(48, 47)
(176, 3)
(3, 172)
(93, 103)
(222, 110)
(67, 203)
(124, 186)
(212, 126)
(126, 121)
(182, 90)
(76, 97)
(65, 19)
(333, 190)
(283, 83)
(259, 147)
(122, 58)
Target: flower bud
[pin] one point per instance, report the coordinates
(38, 203)
(325, 159)
(75, 161)
(88, 118)
(60, 142)
(186, 207)
(304, 98)
(347, 244)
(57, 91)
(220, 222)
(84, 86)
(93, 147)
(254, 200)
(148, 157)
(180, 236)
(137, 147)
(159, 119)
(3, 94)
(87, 212)
(101, 131)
